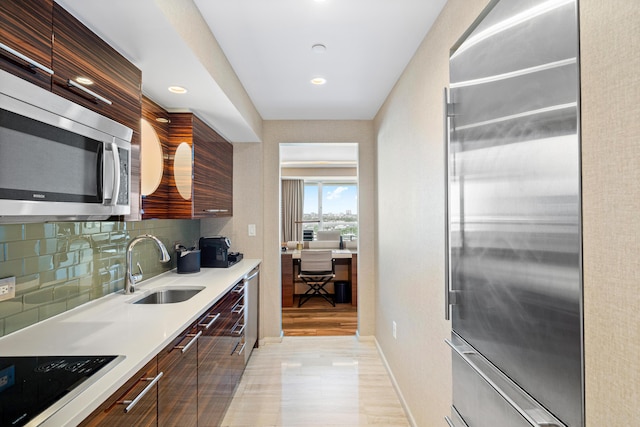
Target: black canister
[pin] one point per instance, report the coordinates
(188, 260)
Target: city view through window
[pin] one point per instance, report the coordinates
(332, 206)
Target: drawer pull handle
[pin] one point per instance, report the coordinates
(31, 62)
(132, 403)
(215, 210)
(238, 331)
(238, 309)
(241, 348)
(185, 348)
(88, 92)
(238, 290)
(208, 325)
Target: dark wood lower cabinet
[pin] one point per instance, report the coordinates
(120, 409)
(197, 374)
(178, 388)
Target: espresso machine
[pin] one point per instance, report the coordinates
(215, 252)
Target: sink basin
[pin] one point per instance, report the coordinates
(168, 295)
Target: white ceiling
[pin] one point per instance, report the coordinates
(268, 47)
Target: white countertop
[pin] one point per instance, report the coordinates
(112, 325)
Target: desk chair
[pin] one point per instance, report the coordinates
(317, 268)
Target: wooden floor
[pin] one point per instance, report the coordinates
(316, 382)
(317, 317)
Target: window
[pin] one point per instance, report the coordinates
(332, 205)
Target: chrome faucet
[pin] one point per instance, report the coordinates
(130, 278)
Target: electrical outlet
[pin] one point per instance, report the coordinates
(252, 230)
(7, 288)
(394, 329)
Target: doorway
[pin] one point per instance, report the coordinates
(319, 211)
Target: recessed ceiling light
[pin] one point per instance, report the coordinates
(318, 81)
(319, 48)
(84, 80)
(177, 89)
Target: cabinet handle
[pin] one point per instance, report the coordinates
(447, 270)
(132, 403)
(238, 290)
(248, 279)
(31, 62)
(215, 210)
(235, 329)
(238, 309)
(241, 348)
(208, 325)
(185, 348)
(88, 92)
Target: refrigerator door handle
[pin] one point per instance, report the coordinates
(535, 414)
(447, 270)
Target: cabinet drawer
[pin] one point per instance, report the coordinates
(135, 403)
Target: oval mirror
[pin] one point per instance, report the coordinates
(183, 169)
(151, 159)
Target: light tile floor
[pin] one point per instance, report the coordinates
(313, 382)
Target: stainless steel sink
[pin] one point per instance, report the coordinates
(169, 295)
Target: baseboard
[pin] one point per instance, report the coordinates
(271, 340)
(396, 387)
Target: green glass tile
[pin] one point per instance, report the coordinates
(85, 283)
(120, 237)
(12, 268)
(40, 231)
(68, 228)
(26, 284)
(90, 227)
(22, 249)
(10, 307)
(36, 298)
(48, 246)
(85, 255)
(37, 264)
(66, 291)
(78, 300)
(2, 252)
(99, 239)
(11, 232)
(50, 310)
(81, 242)
(64, 259)
(1, 327)
(20, 321)
(80, 270)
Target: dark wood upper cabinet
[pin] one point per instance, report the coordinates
(25, 33)
(211, 190)
(78, 53)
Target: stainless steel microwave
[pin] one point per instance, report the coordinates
(59, 160)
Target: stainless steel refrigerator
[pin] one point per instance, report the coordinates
(514, 282)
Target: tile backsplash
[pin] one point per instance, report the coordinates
(61, 265)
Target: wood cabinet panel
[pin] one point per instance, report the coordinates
(156, 205)
(287, 280)
(143, 414)
(25, 26)
(212, 187)
(178, 388)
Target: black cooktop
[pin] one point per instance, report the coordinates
(32, 388)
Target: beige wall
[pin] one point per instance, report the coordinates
(610, 67)
(409, 130)
(256, 200)
(410, 288)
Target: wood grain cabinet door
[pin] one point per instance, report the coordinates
(213, 172)
(25, 33)
(178, 388)
(79, 54)
(134, 404)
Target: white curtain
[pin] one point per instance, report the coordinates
(292, 208)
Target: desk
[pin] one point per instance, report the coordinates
(289, 271)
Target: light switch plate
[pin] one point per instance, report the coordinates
(7, 288)
(252, 229)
